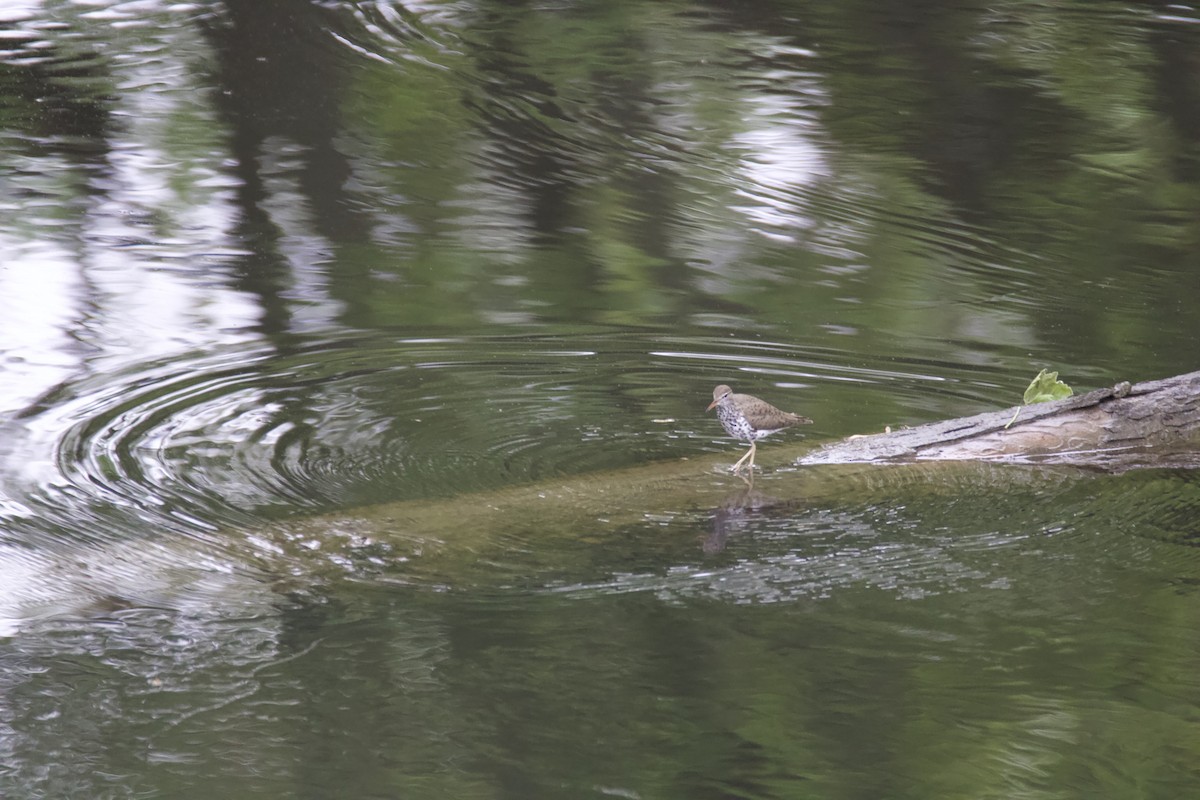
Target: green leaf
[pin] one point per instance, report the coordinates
(1045, 387)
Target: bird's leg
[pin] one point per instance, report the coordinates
(749, 455)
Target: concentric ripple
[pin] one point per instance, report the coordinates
(205, 440)
(213, 440)
(141, 472)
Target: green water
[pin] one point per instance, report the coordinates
(353, 365)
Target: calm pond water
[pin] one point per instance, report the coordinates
(354, 359)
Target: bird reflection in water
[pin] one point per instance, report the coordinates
(736, 512)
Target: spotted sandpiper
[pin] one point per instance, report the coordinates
(747, 418)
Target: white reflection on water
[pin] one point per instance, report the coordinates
(38, 287)
(780, 155)
(90, 580)
(60, 318)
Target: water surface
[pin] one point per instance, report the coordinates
(353, 359)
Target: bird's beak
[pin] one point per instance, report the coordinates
(712, 405)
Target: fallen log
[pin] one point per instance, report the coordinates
(447, 543)
(1125, 426)
(1156, 423)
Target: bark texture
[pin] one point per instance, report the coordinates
(1156, 423)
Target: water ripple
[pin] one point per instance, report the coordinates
(179, 452)
(202, 441)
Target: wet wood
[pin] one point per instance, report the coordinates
(1155, 423)
(1117, 428)
(1113, 429)
(441, 542)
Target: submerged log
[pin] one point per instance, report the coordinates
(1147, 424)
(1114, 429)
(450, 542)
(1125, 426)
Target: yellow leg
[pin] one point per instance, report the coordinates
(749, 455)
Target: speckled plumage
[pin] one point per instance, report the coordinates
(745, 417)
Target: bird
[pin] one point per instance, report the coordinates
(745, 417)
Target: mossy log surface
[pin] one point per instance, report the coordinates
(1114, 429)
(444, 541)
